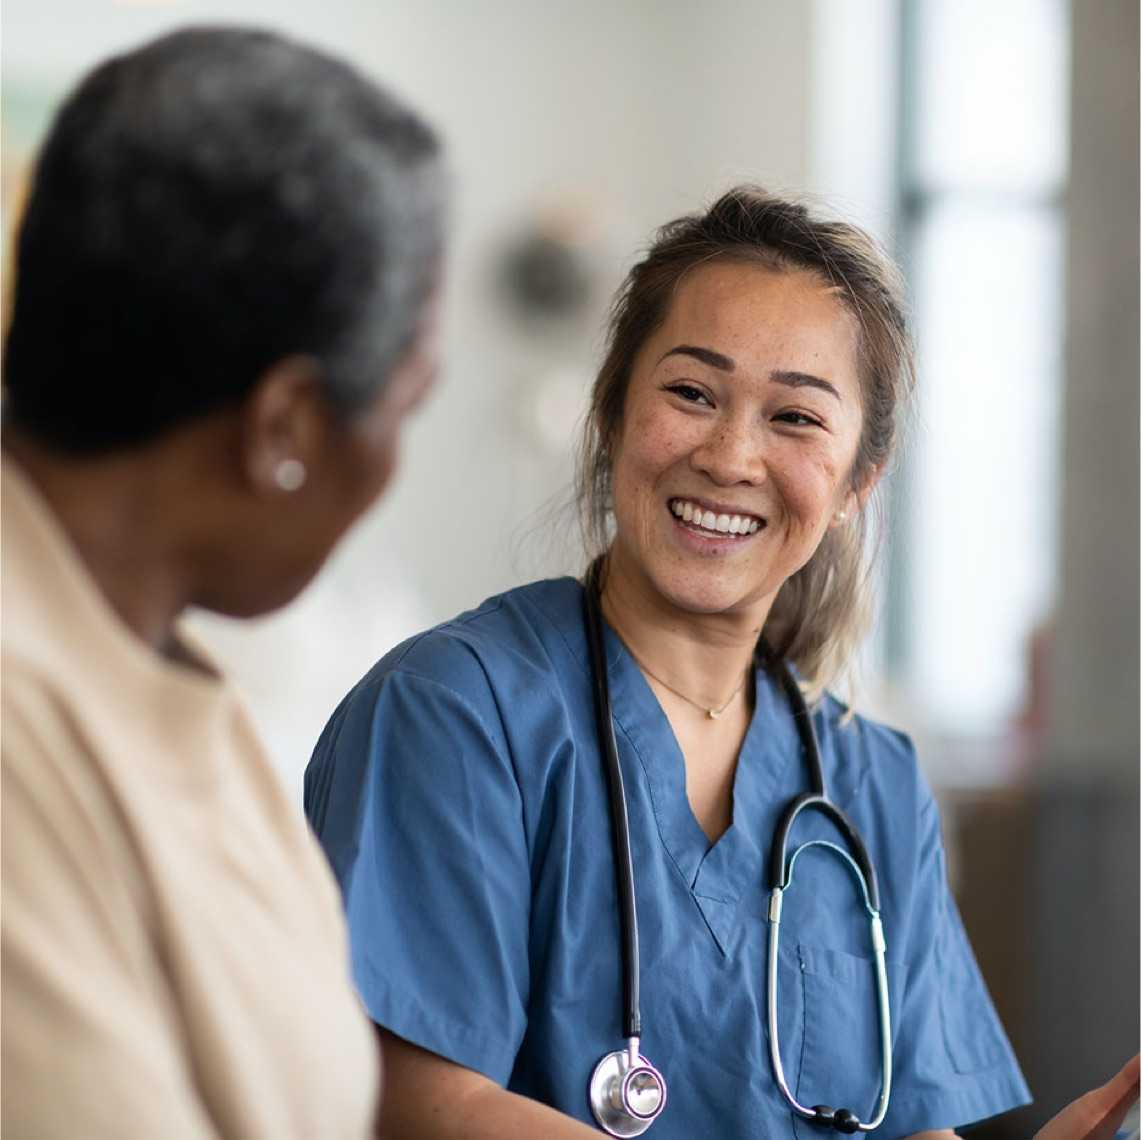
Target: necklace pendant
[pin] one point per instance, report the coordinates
(713, 714)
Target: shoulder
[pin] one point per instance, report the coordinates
(467, 705)
(510, 640)
(865, 758)
(520, 626)
(492, 671)
(63, 821)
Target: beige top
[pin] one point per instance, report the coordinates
(174, 955)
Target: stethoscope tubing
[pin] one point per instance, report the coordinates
(620, 823)
(780, 877)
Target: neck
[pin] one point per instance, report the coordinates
(117, 512)
(701, 655)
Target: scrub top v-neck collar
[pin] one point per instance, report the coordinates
(716, 874)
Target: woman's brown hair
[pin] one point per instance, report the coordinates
(822, 611)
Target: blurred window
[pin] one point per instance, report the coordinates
(983, 169)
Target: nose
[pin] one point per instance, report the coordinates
(731, 454)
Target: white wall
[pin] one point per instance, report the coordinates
(636, 112)
(853, 110)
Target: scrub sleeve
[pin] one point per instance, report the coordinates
(436, 879)
(952, 1061)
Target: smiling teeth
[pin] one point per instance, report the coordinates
(707, 520)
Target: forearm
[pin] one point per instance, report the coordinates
(484, 1114)
(426, 1097)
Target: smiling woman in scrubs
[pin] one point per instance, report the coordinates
(757, 365)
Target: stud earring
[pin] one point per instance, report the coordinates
(290, 474)
(841, 516)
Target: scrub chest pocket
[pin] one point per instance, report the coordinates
(834, 1057)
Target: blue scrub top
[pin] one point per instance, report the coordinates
(460, 794)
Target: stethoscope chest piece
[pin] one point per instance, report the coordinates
(626, 1099)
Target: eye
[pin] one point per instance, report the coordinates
(690, 393)
(798, 419)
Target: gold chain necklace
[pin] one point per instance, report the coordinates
(712, 713)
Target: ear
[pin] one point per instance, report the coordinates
(856, 498)
(284, 426)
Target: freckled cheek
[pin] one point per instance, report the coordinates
(652, 450)
(809, 492)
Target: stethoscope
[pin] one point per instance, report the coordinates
(626, 1092)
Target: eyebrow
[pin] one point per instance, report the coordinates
(804, 380)
(705, 355)
(724, 364)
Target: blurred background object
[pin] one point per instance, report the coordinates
(994, 149)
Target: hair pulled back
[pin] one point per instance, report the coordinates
(822, 612)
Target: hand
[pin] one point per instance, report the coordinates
(1097, 1115)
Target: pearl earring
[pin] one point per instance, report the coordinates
(841, 516)
(290, 474)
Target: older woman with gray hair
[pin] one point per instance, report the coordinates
(223, 313)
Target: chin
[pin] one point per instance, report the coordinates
(700, 591)
(259, 599)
